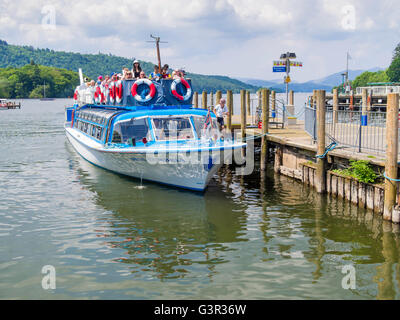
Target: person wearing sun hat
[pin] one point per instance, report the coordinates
(136, 69)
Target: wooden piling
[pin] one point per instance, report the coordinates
(196, 99)
(243, 121)
(291, 97)
(273, 104)
(248, 103)
(265, 120)
(204, 100)
(212, 99)
(229, 103)
(320, 183)
(218, 96)
(392, 142)
(335, 105)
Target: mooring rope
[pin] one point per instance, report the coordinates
(327, 149)
(390, 179)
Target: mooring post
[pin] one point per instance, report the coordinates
(364, 114)
(204, 100)
(291, 97)
(265, 121)
(320, 177)
(273, 104)
(229, 103)
(211, 99)
(314, 99)
(243, 121)
(392, 142)
(248, 98)
(335, 105)
(196, 99)
(218, 96)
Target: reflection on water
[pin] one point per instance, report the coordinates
(245, 237)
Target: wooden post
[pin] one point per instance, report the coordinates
(204, 100)
(212, 99)
(248, 98)
(218, 97)
(265, 121)
(243, 113)
(314, 99)
(392, 141)
(364, 115)
(291, 97)
(320, 177)
(335, 105)
(229, 103)
(196, 99)
(273, 104)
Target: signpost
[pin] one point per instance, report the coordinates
(283, 65)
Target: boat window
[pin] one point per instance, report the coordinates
(199, 123)
(125, 131)
(172, 128)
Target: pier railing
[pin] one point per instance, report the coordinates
(310, 122)
(362, 131)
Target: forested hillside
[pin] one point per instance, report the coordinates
(29, 81)
(101, 64)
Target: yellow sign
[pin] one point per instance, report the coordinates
(287, 79)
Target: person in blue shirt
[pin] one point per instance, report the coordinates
(155, 75)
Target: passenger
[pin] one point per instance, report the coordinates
(92, 83)
(136, 69)
(164, 72)
(155, 75)
(128, 75)
(220, 111)
(142, 75)
(175, 74)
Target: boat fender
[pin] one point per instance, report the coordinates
(151, 94)
(97, 94)
(187, 86)
(112, 91)
(118, 91)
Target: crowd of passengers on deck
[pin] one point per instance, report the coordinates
(137, 73)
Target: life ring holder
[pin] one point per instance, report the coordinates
(187, 86)
(150, 96)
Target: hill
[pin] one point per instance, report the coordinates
(326, 83)
(29, 81)
(101, 64)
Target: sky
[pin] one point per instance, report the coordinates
(237, 38)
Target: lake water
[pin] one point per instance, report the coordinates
(108, 239)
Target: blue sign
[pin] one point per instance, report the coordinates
(279, 69)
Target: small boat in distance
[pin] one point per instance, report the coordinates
(44, 94)
(148, 130)
(5, 104)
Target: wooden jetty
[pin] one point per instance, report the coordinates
(4, 104)
(293, 152)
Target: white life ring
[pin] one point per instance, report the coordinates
(187, 86)
(150, 96)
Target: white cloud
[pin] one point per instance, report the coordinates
(233, 37)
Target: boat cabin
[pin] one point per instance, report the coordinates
(127, 128)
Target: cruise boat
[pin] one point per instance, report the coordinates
(148, 130)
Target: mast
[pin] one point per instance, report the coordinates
(157, 41)
(44, 89)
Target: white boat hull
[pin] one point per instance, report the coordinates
(175, 168)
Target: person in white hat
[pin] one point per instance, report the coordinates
(136, 69)
(220, 111)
